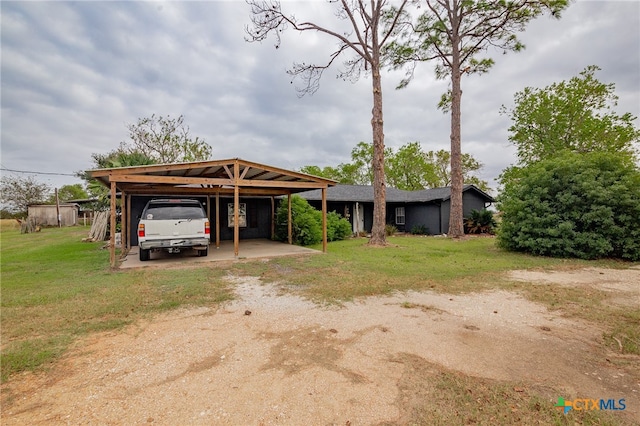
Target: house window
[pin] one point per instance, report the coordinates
(242, 215)
(399, 215)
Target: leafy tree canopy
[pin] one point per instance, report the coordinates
(344, 173)
(69, 192)
(121, 158)
(409, 168)
(165, 140)
(153, 140)
(457, 34)
(441, 161)
(116, 158)
(16, 193)
(575, 115)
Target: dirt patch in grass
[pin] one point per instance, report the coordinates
(273, 358)
(610, 297)
(621, 285)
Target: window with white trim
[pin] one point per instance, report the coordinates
(399, 215)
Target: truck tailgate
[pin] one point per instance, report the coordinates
(180, 228)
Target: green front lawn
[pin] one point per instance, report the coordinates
(56, 288)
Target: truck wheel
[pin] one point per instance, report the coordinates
(144, 255)
(203, 253)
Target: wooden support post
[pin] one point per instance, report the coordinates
(124, 226)
(129, 222)
(289, 225)
(112, 235)
(273, 217)
(236, 210)
(324, 220)
(217, 220)
(209, 215)
(58, 209)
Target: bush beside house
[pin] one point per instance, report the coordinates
(306, 223)
(584, 205)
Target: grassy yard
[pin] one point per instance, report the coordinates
(56, 288)
(352, 269)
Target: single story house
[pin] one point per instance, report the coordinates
(405, 209)
(241, 197)
(47, 214)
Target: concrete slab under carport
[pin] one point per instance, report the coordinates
(249, 249)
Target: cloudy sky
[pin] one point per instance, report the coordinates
(74, 74)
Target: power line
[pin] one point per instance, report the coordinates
(37, 173)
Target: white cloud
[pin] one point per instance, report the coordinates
(75, 73)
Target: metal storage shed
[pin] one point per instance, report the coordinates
(48, 214)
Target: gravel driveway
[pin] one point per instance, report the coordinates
(274, 359)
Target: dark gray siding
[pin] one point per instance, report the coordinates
(423, 215)
(445, 212)
(343, 209)
(258, 219)
(429, 207)
(471, 201)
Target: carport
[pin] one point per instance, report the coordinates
(211, 179)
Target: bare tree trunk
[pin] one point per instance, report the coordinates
(456, 226)
(378, 236)
(367, 43)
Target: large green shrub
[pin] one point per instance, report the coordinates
(338, 228)
(306, 223)
(584, 205)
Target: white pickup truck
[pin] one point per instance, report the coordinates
(173, 225)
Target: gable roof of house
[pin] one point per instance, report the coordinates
(364, 194)
(444, 193)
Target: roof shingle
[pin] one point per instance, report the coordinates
(364, 193)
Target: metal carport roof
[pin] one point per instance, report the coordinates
(215, 177)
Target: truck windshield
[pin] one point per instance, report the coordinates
(173, 211)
